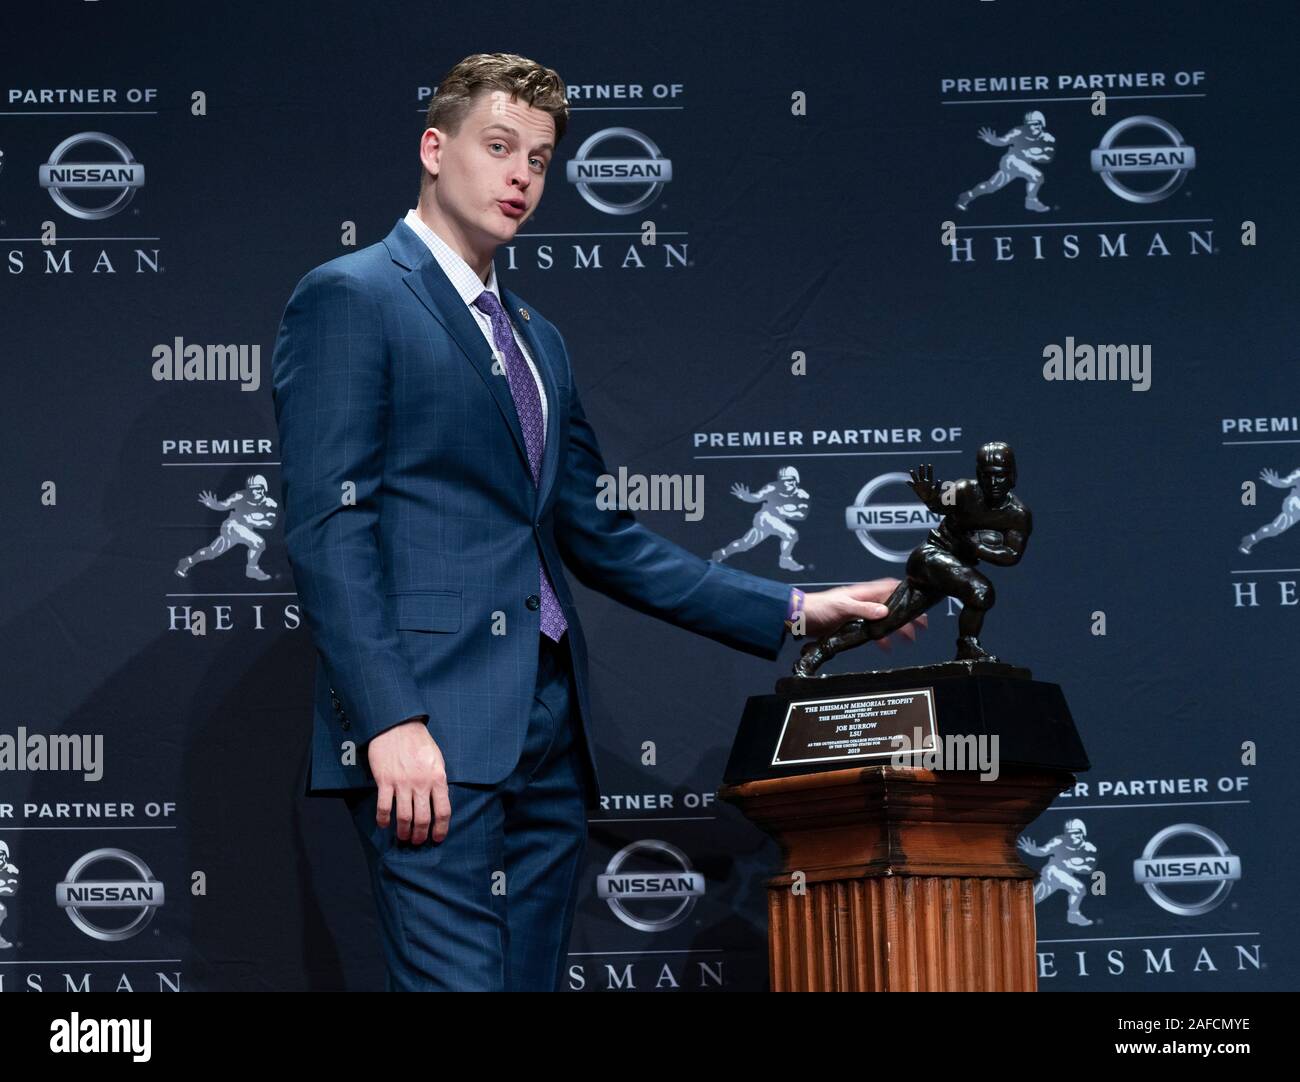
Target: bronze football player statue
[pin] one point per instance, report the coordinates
(982, 520)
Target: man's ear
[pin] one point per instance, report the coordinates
(435, 151)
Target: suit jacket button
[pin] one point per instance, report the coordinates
(533, 602)
(346, 724)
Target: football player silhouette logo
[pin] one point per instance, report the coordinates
(8, 887)
(783, 502)
(251, 510)
(1030, 146)
(1071, 859)
(1290, 509)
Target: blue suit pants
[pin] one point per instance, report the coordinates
(490, 908)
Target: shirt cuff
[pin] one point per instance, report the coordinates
(795, 606)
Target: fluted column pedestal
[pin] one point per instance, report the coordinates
(900, 879)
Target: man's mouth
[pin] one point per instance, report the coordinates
(512, 208)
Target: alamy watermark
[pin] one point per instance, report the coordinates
(949, 751)
(1080, 361)
(81, 753)
(656, 492)
(181, 362)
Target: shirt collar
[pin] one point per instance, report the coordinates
(467, 283)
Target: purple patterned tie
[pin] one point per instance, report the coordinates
(528, 407)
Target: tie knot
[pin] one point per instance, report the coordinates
(487, 302)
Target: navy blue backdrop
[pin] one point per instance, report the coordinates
(817, 151)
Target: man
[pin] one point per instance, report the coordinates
(438, 472)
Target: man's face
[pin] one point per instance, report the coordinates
(492, 171)
(1076, 838)
(1035, 128)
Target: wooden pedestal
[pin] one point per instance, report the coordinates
(900, 879)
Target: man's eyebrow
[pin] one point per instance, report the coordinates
(511, 131)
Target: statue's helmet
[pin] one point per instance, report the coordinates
(1076, 824)
(1035, 117)
(257, 481)
(788, 473)
(1000, 455)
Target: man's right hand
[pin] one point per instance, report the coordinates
(409, 769)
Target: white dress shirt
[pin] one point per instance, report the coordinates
(469, 286)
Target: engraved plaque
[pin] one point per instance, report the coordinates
(855, 727)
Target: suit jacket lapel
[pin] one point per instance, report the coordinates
(435, 291)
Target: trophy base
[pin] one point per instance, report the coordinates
(821, 723)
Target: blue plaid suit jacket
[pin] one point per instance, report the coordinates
(413, 524)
